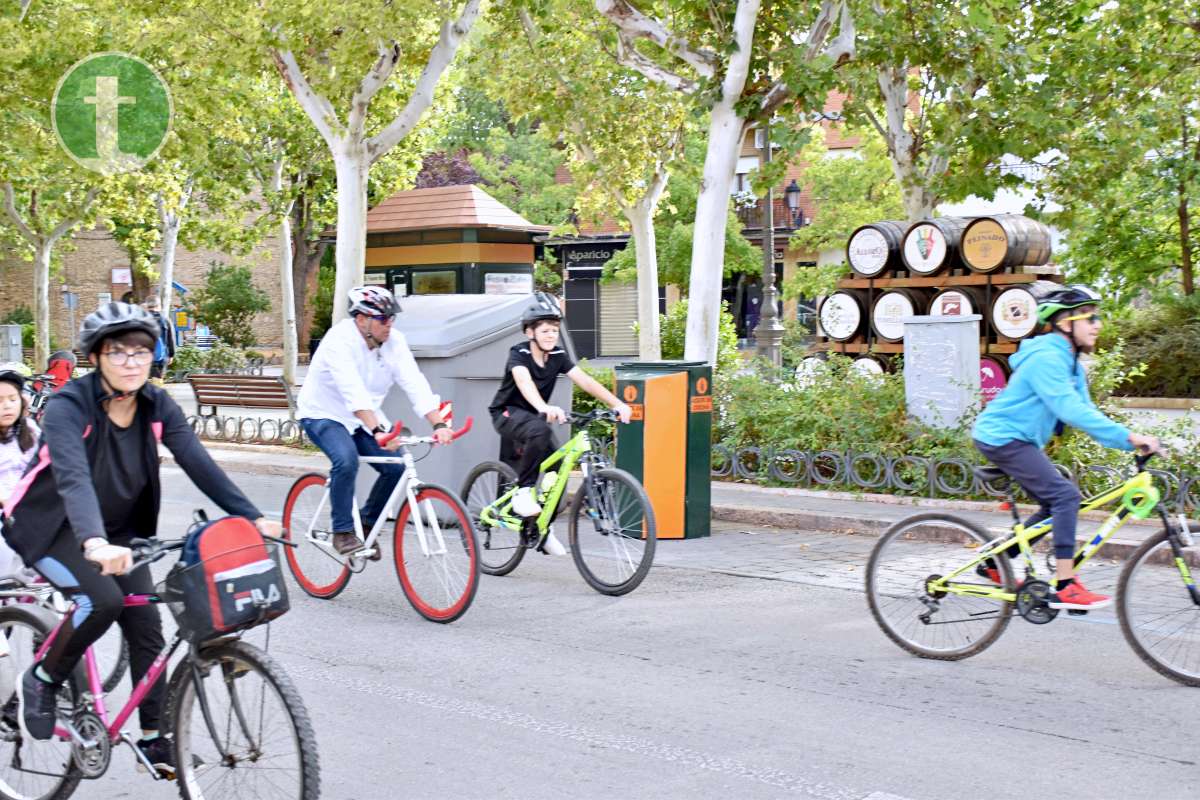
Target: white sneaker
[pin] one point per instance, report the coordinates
(552, 545)
(524, 503)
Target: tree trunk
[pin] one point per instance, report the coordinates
(287, 298)
(41, 305)
(708, 244)
(352, 165)
(306, 263)
(170, 243)
(1186, 267)
(641, 224)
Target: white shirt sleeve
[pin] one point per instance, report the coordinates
(343, 368)
(408, 375)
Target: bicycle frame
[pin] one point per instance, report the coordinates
(432, 541)
(499, 513)
(1024, 537)
(65, 730)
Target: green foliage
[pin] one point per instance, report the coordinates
(518, 168)
(1163, 340)
(227, 303)
(323, 302)
(221, 357)
(583, 403)
(673, 326)
(188, 359)
(21, 315)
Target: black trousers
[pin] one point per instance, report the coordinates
(1057, 497)
(530, 440)
(100, 601)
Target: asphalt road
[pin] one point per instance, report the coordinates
(702, 684)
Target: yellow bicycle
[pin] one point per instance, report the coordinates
(934, 601)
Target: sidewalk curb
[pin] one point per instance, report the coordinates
(226, 456)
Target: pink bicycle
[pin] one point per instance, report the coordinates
(239, 726)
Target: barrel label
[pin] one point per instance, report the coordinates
(951, 304)
(840, 316)
(867, 366)
(925, 248)
(867, 251)
(991, 379)
(985, 244)
(889, 314)
(1014, 314)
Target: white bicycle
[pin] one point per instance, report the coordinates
(435, 552)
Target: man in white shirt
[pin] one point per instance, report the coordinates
(358, 361)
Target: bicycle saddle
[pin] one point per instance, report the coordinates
(990, 474)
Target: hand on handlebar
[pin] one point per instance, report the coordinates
(388, 441)
(1145, 444)
(269, 527)
(624, 412)
(554, 414)
(113, 559)
(443, 436)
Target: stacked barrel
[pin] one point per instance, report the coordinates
(946, 266)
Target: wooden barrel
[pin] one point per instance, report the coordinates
(1005, 241)
(870, 364)
(957, 301)
(993, 376)
(932, 245)
(1014, 313)
(891, 307)
(874, 249)
(842, 314)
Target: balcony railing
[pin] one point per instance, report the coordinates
(752, 216)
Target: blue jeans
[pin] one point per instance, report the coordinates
(343, 449)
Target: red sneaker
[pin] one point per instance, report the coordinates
(1077, 596)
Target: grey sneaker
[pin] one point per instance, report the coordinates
(160, 753)
(37, 705)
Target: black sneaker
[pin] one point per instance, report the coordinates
(160, 753)
(37, 706)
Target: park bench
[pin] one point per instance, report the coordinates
(248, 391)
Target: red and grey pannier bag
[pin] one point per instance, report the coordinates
(228, 579)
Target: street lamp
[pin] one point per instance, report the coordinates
(768, 335)
(791, 198)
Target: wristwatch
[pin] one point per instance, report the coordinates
(379, 429)
(437, 426)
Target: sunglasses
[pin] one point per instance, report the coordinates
(386, 319)
(1092, 317)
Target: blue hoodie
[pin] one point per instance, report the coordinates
(1047, 386)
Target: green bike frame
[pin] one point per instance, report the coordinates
(499, 513)
(1138, 500)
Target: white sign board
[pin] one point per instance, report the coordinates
(507, 283)
(122, 276)
(941, 368)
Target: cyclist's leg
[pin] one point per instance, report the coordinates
(389, 476)
(1014, 458)
(533, 436)
(98, 603)
(337, 444)
(142, 628)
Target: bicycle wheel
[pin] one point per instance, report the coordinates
(612, 531)
(260, 742)
(500, 548)
(306, 521)
(30, 769)
(440, 578)
(1158, 617)
(933, 625)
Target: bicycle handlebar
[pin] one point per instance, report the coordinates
(591, 416)
(398, 430)
(1142, 459)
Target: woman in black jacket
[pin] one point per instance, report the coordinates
(92, 487)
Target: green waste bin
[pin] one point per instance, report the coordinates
(668, 445)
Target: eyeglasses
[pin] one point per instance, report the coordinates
(120, 358)
(386, 319)
(1092, 317)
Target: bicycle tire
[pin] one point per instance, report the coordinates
(918, 565)
(456, 589)
(237, 659)
(40, 622)
(299, 510)
(500, 549)
(614, 546)
(1142, 571)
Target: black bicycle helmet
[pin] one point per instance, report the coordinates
(541, 309)
(14, 373)
(112, 319)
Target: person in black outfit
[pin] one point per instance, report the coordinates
(92, 487)
(164, 350)
(520, 411)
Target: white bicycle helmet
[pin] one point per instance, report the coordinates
(372, 301)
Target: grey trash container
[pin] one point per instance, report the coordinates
(461, 343)
(10, 343)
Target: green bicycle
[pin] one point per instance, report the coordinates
(935, 604)
(611, 523)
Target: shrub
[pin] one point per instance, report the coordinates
(322, 303)
(220, 357)
(673, 327)
(21, 315)
(228, 301)
(1165, 339)
(583, 403)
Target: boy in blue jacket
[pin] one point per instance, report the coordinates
(1049, 389)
